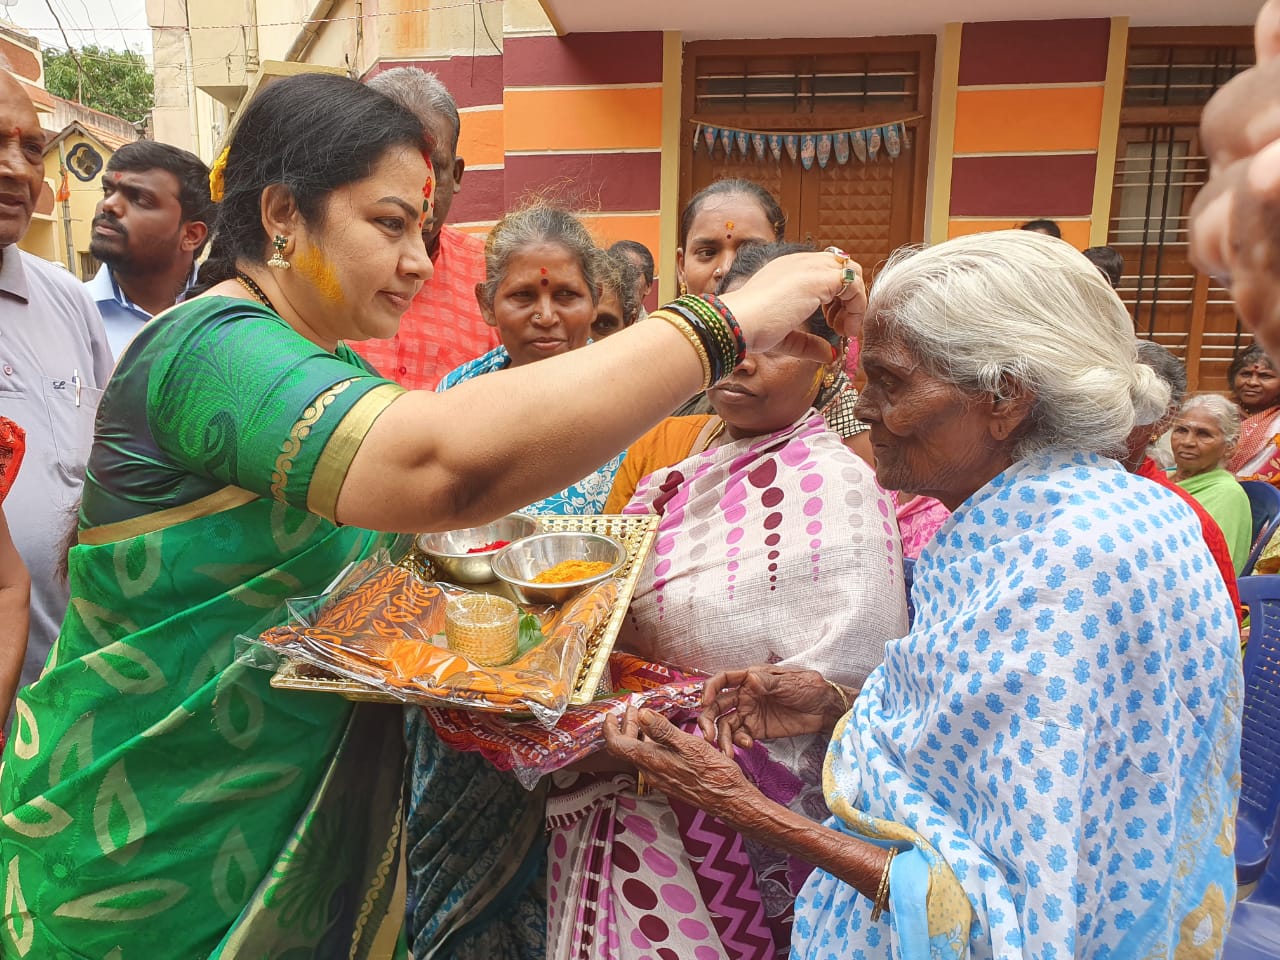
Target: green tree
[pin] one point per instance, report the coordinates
(115, 81)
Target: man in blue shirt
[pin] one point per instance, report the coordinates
(148, 231)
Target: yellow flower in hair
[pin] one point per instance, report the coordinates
(216, 188)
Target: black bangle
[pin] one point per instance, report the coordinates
(717, 330)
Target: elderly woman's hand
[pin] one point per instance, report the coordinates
(1235, 222)
(768, 703)
(678, 764)
(785, 291)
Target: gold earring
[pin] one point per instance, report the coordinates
(828, 379)
(684, 289)
(277, 260)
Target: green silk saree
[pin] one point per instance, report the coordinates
(158, 797)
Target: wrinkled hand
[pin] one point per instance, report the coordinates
(1235, 221)
(766, 703)
(781, 296)
(678, 764)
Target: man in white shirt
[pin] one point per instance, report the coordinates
(54, 362)
(149, 229)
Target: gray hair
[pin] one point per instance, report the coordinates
(421, 93)
(1167, 367)
(1225, 413)
(529, 226)
(984, 310)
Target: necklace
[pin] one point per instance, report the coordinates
(248, 283)
(712, 437)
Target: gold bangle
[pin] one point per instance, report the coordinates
(686, 329)
(844, 697)
(641, 786)
(882, 891)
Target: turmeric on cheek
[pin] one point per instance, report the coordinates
(315, 266)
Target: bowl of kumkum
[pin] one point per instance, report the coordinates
(467, 555)
(552, 567)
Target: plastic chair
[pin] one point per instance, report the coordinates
(1260, 734)
(1264, 504)
(1254, 933)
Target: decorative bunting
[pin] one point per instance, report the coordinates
(858, 140)
(824, 149)
(893, 135)
(841, 144)
(864, 143)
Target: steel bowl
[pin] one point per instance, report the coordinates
(448, 551)
(518, 564)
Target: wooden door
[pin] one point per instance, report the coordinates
(802, 86)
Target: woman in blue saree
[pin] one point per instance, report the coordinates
(1047, 764)
(158, 797)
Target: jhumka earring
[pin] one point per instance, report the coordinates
(684, 289)
(277, 259)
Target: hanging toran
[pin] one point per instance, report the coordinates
(862, 143)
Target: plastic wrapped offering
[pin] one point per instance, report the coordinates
(383, 626)
(531, 749)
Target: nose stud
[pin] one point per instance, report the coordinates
(537, 316)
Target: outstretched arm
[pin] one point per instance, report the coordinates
(496, 443)
(688, 767)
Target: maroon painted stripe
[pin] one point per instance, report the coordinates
(480, 197)
(594, 181)
(583, 59)
(1048, 185)
(1034, 51)
(473, 81)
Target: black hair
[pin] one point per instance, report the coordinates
(1045, 226)
(1246, 358)
(1167, 367)
(615, 271)
(768, 204)
(1109, 260)
(312, 133)
(188, 169)
(752, 257)
(640, 252)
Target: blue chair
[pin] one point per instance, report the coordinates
(1264, 504)
(1254, 933)
(1260, 734)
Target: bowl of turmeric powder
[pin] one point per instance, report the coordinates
(552, 567)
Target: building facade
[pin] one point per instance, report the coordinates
(876, 125)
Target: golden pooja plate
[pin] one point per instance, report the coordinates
(635, 532)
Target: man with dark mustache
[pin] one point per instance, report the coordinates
(149, 229)
(54, 362)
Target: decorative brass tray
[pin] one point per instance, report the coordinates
(635, 533)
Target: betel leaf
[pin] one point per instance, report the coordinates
(531, 634)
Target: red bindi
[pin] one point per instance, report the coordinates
(545, 281)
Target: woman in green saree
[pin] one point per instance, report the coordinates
(158, 798)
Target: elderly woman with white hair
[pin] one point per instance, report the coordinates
(1047, 763)
(1204, 436)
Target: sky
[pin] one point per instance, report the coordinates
(108, 23)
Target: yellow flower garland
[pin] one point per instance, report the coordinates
(216, 188)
